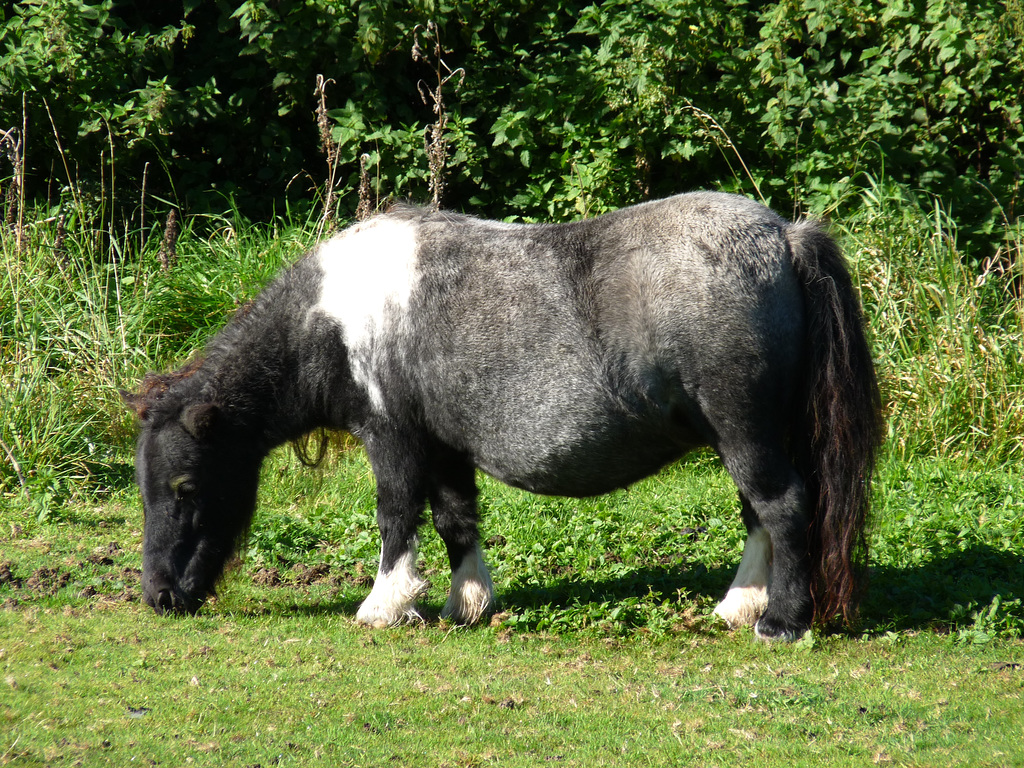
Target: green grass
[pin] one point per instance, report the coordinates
(603, 650)
(309, 689)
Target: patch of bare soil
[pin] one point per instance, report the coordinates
(305, 575)
(7, 575)
(104, 555)
(356, 575)
(113, 586)
(360, 578)
(267, 577)
(47, 581)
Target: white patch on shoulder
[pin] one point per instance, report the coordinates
(393, 598)
(748, 596)
(472, 592)
(369, 274)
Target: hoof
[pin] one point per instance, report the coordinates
(392, 601)
(468, 607)
(773, 630)
(742, 606)
(382, 620)
(472, 592)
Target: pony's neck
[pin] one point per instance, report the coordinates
(258, 369)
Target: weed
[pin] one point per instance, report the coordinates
(330, 149)
(168, 253)
(436, 138)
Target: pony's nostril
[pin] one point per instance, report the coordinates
(164, 601)
(158, 592)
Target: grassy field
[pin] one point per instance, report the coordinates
(308, 689)
(603, 651)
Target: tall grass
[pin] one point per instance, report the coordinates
(948, 330)
(84, 312)
(64, 335)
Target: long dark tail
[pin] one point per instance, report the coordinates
(836, 443)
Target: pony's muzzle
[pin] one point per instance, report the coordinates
(160, 595)
(162, 602)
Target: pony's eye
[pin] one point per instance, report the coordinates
(183, 487)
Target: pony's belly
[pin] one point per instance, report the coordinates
(583, 467)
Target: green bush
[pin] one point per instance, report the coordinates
(566, 108)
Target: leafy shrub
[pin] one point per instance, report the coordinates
(923, 88)
(567, 108)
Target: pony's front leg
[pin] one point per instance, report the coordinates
(396, 589)
(398, 586)
(453, 506)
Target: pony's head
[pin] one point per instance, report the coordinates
(198, 476)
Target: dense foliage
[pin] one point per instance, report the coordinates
(903, 116)
(566, 108)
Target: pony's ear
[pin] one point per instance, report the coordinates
(199, 419)
(135, 402)
(153, 387)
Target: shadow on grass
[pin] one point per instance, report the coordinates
(946, 592)
(664, 581)
(979, 588)
(281, 601)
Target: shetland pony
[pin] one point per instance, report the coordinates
(567, 359)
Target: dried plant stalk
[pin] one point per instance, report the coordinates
(168, 253)
(330, 149)
(435, 139)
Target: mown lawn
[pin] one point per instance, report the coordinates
(102, 684)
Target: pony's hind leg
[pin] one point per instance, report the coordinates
(453, 506)
(747, 597)
(775, 500)
(400, 503)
